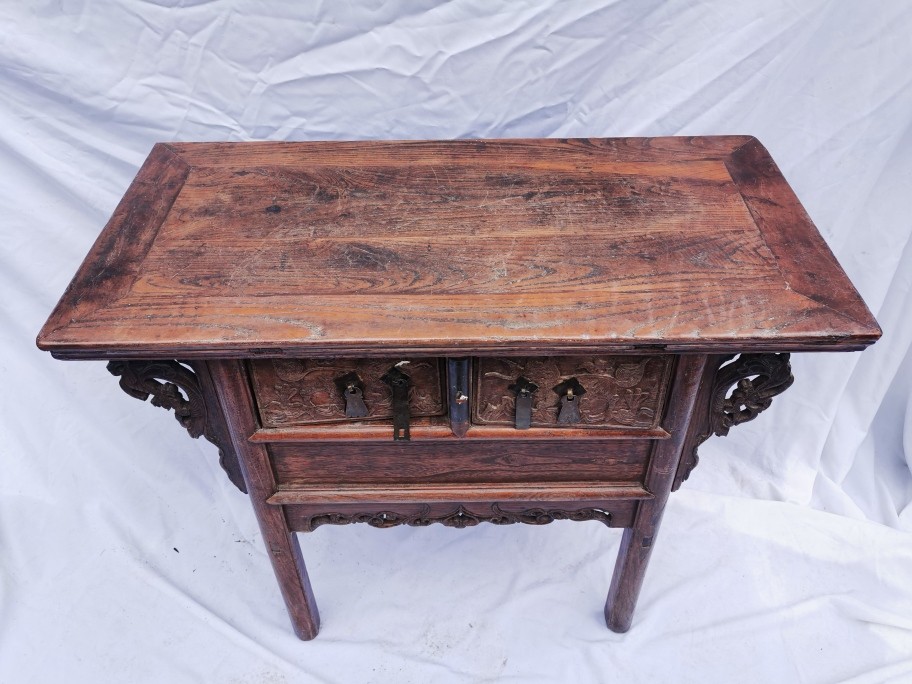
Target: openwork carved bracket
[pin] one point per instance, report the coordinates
(756, 378)
(740, 391)
(143, 379)
(459, 517)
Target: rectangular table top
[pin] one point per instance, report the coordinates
(532, 246)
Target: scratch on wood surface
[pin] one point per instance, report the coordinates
(314, 329)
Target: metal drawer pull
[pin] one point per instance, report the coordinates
(523, 387)
(458, 383)
(400, 383)
(352, 390)
(570, 392)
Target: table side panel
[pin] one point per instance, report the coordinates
(579, 152)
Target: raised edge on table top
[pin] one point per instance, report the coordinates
(520, 246)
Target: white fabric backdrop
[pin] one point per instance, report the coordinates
(125, 554)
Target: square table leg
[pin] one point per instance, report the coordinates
(638, 540)
(281, 543)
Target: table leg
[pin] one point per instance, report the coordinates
(281, 543)
(290, 571)
(630, 568)
(638, 540)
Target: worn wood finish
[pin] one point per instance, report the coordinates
(638, 540)
(303, 391)
(287, 277)
(734, 392)
(187, 390)
(534, 246)
(699, 428)
(218, 431)
(118, 256)
(621, 391)
(801, 254)
(233, 393)
(451, 461)
(433, 430)
(296, 493)
(306, 518)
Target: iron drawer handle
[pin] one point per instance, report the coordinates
(570, 391)
(523, 387)
(400, 384)
(352, 390)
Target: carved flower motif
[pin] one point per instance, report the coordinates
(626, 407)
(757, 378)
(460, 517)
(746, 401)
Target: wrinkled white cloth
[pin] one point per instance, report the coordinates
(125, 554)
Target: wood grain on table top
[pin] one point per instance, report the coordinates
(533, 246)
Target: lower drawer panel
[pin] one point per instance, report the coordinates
(500, 461)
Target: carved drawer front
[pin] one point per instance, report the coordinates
(293, 392)
(572, 391)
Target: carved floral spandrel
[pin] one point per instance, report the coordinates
(459, 517)
(621, 391)
(743, 387)
(756, 379)
(164, 381)
(303, 391)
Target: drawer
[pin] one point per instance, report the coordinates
(619, 395)
(621, 462)
(299, 392)
(608, 391)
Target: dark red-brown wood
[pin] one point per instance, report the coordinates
(638, 540)
(423, 430)
(620, 391)
(236, 282)
(293, 392)
(460, 461)
(282, 546)
(527, 246)
(497, 492)
(306, 518)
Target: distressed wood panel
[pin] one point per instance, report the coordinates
(620, 461)
(303, 391)
(307, 517)
(621, 391)
(524, 247)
